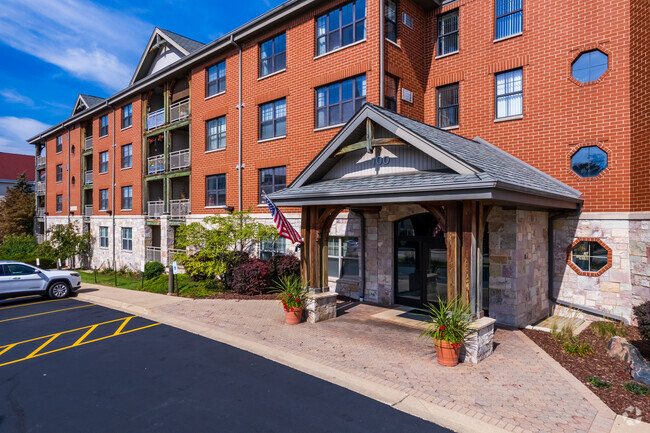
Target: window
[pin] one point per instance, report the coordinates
(341, 27)
(59, 173)
(273, 55)
(59, 203)
(447, 106)
(589, 161)
(72, 149)
(509, 94)
(509, 17)
(127, 156)
(273, 119)
(59, 144)
(390, 20)
(391, 84)
(342, 257)
(272, 180)
(127, 197)
(216, 79)
(103, 237)
(127, 116)
(127, 238)
(336, 103)
(216, 134)
(591, 256)
(103, 199)
(17, 269)
(448, 33)
(589, 66)
(103, 162)
(103, 126)
(270, 248)
(215, 188)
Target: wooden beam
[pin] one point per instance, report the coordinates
(438, 212)
(377, 142)
(468, 261)
(304, 251)
(314, 250)
(327, 213)
(369, 135)
(453, 251)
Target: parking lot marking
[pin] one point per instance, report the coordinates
(47, 312)
(80, 342)
(31, 303)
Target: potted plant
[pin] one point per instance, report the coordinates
(448, 326)
(292, 294)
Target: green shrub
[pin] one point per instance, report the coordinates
(45, 263)
(598, 382)
(15, 246)
(156, 284)
(636, 388)
(608, 329)
(642, 314)
(576, 348)
(196, 289)
(153, 270)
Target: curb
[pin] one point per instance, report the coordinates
(399, 400)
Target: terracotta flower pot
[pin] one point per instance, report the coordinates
(447, 353)
(293, 316)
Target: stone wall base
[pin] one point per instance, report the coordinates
(480, 341)
(321, 306)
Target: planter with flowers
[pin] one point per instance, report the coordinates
(293, 294)
(449, 324)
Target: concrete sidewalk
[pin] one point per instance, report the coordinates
(519, 388)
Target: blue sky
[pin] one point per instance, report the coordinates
(52, 50)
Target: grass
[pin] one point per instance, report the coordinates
(608, 329)
(109, 280)
(636, 388)
(576, 348)
(570, 342)
(598, 382)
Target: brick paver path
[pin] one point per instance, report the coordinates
(515, 388)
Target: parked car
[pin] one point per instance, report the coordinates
(17, 278)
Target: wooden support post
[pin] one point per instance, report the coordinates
(453, 251)
(314, 250)
(483, 212)
(468, 261)
(304, 251)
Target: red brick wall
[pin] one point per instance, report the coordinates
(132, 176)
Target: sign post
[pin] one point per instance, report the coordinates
(142, 274)
(175, 269)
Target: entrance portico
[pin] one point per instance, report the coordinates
(424, 197)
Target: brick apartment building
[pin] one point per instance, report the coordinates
(205, 128)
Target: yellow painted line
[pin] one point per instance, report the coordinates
(33, 354)
(33, 303)
(47, 312)
(91, 329)
(7, 348)
(122, 325)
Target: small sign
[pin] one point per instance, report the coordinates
(407, 95)
(142, 265)
(73, 208)
(38, 261)
(175, 267)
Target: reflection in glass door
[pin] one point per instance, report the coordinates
(436, 272)
(408, 272)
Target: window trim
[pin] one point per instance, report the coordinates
(100, 126)
(588, 51)
(56, 173)
(579, 271)
(497, 17)
(396, 80)
(101, 237)
(207, 79)
(103, 209)
(340, 257)
(274, 120)
(457, 105)
(497, 96)
(456, 32)
(58, 144)
(274, 251)
(395, 23)
(273, 56)
(327, 105)
(100, 162)
(129, 240)
(207, 133)
(130, 156)
(340, 28)
(130, 116)
(130, 208)
(57, 202)
(261, 199)
(216, 191)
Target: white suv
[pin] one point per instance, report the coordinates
(18, 278)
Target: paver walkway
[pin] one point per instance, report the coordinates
(518, 388)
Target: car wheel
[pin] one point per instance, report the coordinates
(58, 290)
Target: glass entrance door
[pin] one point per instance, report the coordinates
(436, 271)
(409, 273)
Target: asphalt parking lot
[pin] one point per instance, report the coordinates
(71, 366)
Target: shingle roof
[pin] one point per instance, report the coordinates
(13, 165)
(92, 101)
(188, 44)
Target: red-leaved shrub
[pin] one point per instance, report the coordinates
(251, 277)
(284, 265)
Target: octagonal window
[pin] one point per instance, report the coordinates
(590, 66)
(589, 161)
(589, 256)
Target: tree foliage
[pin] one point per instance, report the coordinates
(211, 244)
(17, 210)
(67, 241)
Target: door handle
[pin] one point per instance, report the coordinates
(16, 278)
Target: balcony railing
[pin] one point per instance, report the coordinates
(179, 159)
(88, 177)
(89, 143)
(179, 208)
(171, 256)
(153, 254)
(156, 119)
(40, 211)
(88, 210)
(40, 239)
(156, 164)
(179, 111)
(40, 186)
(155, 209)
(40, 161)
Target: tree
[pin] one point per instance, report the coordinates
(17, 210)
(68, 242)
(212, 243)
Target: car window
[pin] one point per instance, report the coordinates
(15, 269)
(2, 270)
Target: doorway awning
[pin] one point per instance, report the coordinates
(383, 157)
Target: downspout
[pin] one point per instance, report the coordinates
(113, 191)
(381, 53)
(68, 170)
(551, 297)
(240, 106)
(362, 255)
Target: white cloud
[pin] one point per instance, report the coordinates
(12, 96)
(89, 41)
(14, 131)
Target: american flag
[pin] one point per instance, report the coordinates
(285, 229)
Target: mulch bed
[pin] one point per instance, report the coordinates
(599, 364)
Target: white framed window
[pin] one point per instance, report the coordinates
(103, 237)
(127, 238)
(343, 257)
(509, 93)
(270, 248)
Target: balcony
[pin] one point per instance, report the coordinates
(41, 161)
(179, 111)
(156, 164)
(156, 119)
(40, 187)
(88, 145)
(179, 160)
(171, 256)
(153, 254)
(155, 209)
(40, 211)
(88, 177)
(179, 208)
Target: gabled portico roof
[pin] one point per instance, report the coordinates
(473, 170)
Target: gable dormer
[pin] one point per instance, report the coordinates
(85, 102)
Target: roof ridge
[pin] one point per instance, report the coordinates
(178, 34)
